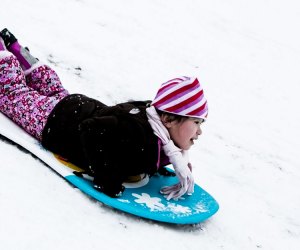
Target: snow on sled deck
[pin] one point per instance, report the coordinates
(140, 198)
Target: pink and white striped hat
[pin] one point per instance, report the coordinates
(182, 96)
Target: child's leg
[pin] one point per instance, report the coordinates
(40, 77)
(25, 106)
(46, 82)
(26, 60)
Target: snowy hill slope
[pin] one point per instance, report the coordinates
(245, 53)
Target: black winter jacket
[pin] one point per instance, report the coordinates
(110, 142)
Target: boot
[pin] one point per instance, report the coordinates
(7, 37)
(23, 55)
(2, 45)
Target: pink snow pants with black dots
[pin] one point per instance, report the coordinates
(28, 100)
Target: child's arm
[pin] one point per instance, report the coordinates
(165, 172)
(97, 139)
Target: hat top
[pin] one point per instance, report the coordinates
(182, 96)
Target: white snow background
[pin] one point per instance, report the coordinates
(246, 55)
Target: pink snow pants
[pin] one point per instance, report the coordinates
(28, 99)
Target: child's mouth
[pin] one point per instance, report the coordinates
(193, 140)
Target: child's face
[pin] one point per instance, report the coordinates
(184, 133)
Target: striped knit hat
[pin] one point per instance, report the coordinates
(182, 96)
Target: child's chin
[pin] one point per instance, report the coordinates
(187, 147)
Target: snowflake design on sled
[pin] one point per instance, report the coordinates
(154, 203)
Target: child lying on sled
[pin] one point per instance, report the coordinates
(110, 143)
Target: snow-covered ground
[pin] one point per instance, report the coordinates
(246, 55)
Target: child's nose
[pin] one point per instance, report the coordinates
(199, 131)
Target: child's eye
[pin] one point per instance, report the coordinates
(199, 121)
